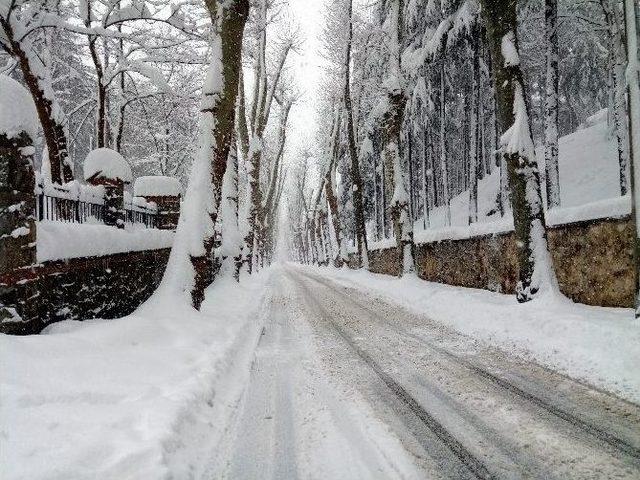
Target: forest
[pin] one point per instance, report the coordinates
(420, 102)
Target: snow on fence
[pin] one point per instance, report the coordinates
(75, 203)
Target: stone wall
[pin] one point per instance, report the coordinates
(593, 262)
(384, 261)
(110, 286)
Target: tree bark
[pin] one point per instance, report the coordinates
(551, 105)
(356, 179)
(535, 268)
(230, 17)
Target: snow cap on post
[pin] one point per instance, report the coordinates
(157, 186)
(17, 110)
(107, 164)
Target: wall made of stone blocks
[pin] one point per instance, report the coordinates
(593, 261)
(110, 286)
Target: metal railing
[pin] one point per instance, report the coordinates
(62, 209)
(144, 215)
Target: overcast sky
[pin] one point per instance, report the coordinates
(308, 71)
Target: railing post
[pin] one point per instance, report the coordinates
(165, 193)
(41, 205)
(17, 198)
(114, 213)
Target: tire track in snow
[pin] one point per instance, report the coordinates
(475, 466)
(612, 441)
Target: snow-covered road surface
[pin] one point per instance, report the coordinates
(344, 385)
(313, 373)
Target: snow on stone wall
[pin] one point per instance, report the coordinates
(593, 261)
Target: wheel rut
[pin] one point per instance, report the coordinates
(467, 458)
(612, 441)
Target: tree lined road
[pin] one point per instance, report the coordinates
(346, 386)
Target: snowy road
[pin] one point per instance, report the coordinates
(346, 386)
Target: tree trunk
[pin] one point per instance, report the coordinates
(340, 256)
(410, 168)
(551, 105)
(218, 110)
(633, 70)
(49, 112)
(443, 145)
(427, 176)
(474, 130)
(356, 179)
(391, 127)
(616, 52)
(535, 268)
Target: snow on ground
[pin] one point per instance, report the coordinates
(588, 162)
(589, 189)
(595, 344)
(59, 240)
(126, 398)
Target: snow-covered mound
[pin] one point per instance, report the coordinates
(117, 399)
(589, 189)
(132, 202)
(156, 186)
(108, 164)
(17, 110)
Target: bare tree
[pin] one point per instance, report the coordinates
(535, 268)
(204, 194)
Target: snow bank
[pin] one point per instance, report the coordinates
(596, 344)
(589, 190)
(123, 399)
(156, 186)
(377, 245)
(608, 208)
(107, 163)
(17, 110)
(59, 240)
(504, 224)
(588, 162)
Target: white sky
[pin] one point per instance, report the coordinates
(308, 73)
